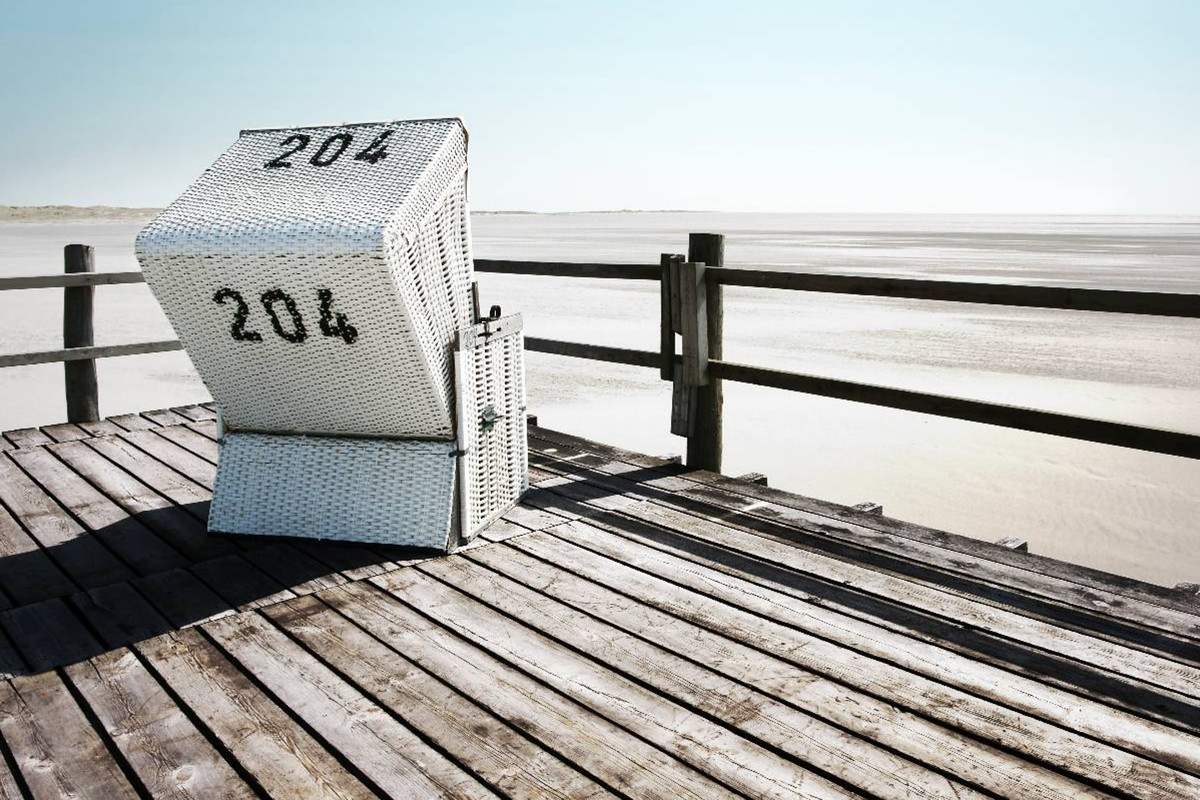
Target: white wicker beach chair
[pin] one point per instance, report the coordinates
(320, 280)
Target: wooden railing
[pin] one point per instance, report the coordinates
(691, 289)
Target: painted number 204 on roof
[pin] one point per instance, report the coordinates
(329, 151)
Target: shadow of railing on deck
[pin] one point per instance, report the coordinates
(564, 495)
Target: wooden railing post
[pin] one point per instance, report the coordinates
(83, 399)
(705, 444)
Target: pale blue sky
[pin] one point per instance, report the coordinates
(1043, 107)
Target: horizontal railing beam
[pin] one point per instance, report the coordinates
(1054, 297)
(570, 269)
(82, 353)
(595, 352)
(1111, 300)
(77, 279)
(1154, 440)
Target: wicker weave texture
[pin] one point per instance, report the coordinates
(498, 461)
(395, 492)
(387, 242)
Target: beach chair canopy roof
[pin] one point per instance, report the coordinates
(317, 277)
(277, 191)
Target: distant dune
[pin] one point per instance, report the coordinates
(73, 213)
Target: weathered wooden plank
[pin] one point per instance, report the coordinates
(205, 429)
(127, 538)
(64, 280)
(1097, 612)
(119, 614)
(240, 583)
(106, 463)
(595, 352)
(102, 427)
(693, 312)
(72, 354)
(392, 756)
(809, 739)
(10, 789)
(280, 755)
(1153, 669)
(145, 465)
(158, 444)
(538, 474)
(6, 445)
(1069, 674)
(164, 416)
(65, 432)
(950, 707)
(1156, 670)
(133, 462)
(1157, 628)
(27, 437)
(48, 635)
(666, 346)
(196, 413)
(706, 444)
(356, 562)
(740, 763)
(974, 644)
(54, 746)
(683, 405)
(78, 554)
(502, 529)
(603, 749)
(294, 569)
(532, 518)
(755, 586)
(824, 619)
(182, 598)
(131, 422)
(1035, 420)
(568, 269)
(170, 756)
(11, 662)
(27, 574)
(1083, 576)
(495, 752)
(1104, 300)
(191, 440)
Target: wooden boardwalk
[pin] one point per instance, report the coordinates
(632, 629)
